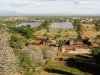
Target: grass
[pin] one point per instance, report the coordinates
(63, 33)
(63, 68)
(56, 66)
(45, 48)
(41, 32)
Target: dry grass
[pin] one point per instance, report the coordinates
(91, 34)
(89, 30)
(89, 25)
(60, 66)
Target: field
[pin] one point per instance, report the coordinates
(39, 51)
(90, 30)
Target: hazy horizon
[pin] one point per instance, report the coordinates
(49, 7)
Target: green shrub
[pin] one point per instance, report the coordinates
(96, 55)
(26, 62)
(28, 65)
(18, 42)
(25, 31)
(98, 36)
(97, 25)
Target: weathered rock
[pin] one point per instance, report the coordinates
(7, 58)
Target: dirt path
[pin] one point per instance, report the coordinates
(80, 51)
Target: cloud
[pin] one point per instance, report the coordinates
(50, 6)
(18, 4)
(77, 2)
(82, 2)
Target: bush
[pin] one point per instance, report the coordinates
(98, 36)
(50, 54)
(26, 62)
(28, 66)
(18, 42)
(96, 55)
(25, 31)
(34, 53)
(97, 25)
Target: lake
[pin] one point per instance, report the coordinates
(55, 25)
(33, 24)
(65, 25)
(59, 25)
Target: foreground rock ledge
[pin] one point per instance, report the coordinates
(7, 59)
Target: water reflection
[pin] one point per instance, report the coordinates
(32, 24)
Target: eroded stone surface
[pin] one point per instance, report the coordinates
(7, 57)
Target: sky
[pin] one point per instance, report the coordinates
(49, 7)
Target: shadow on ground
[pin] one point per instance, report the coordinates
(84, 64)
(58, 71)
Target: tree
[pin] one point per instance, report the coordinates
(25, 31)
(77, 25)
(45, 25)
(97, 25)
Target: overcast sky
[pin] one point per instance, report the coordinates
(54, 7)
